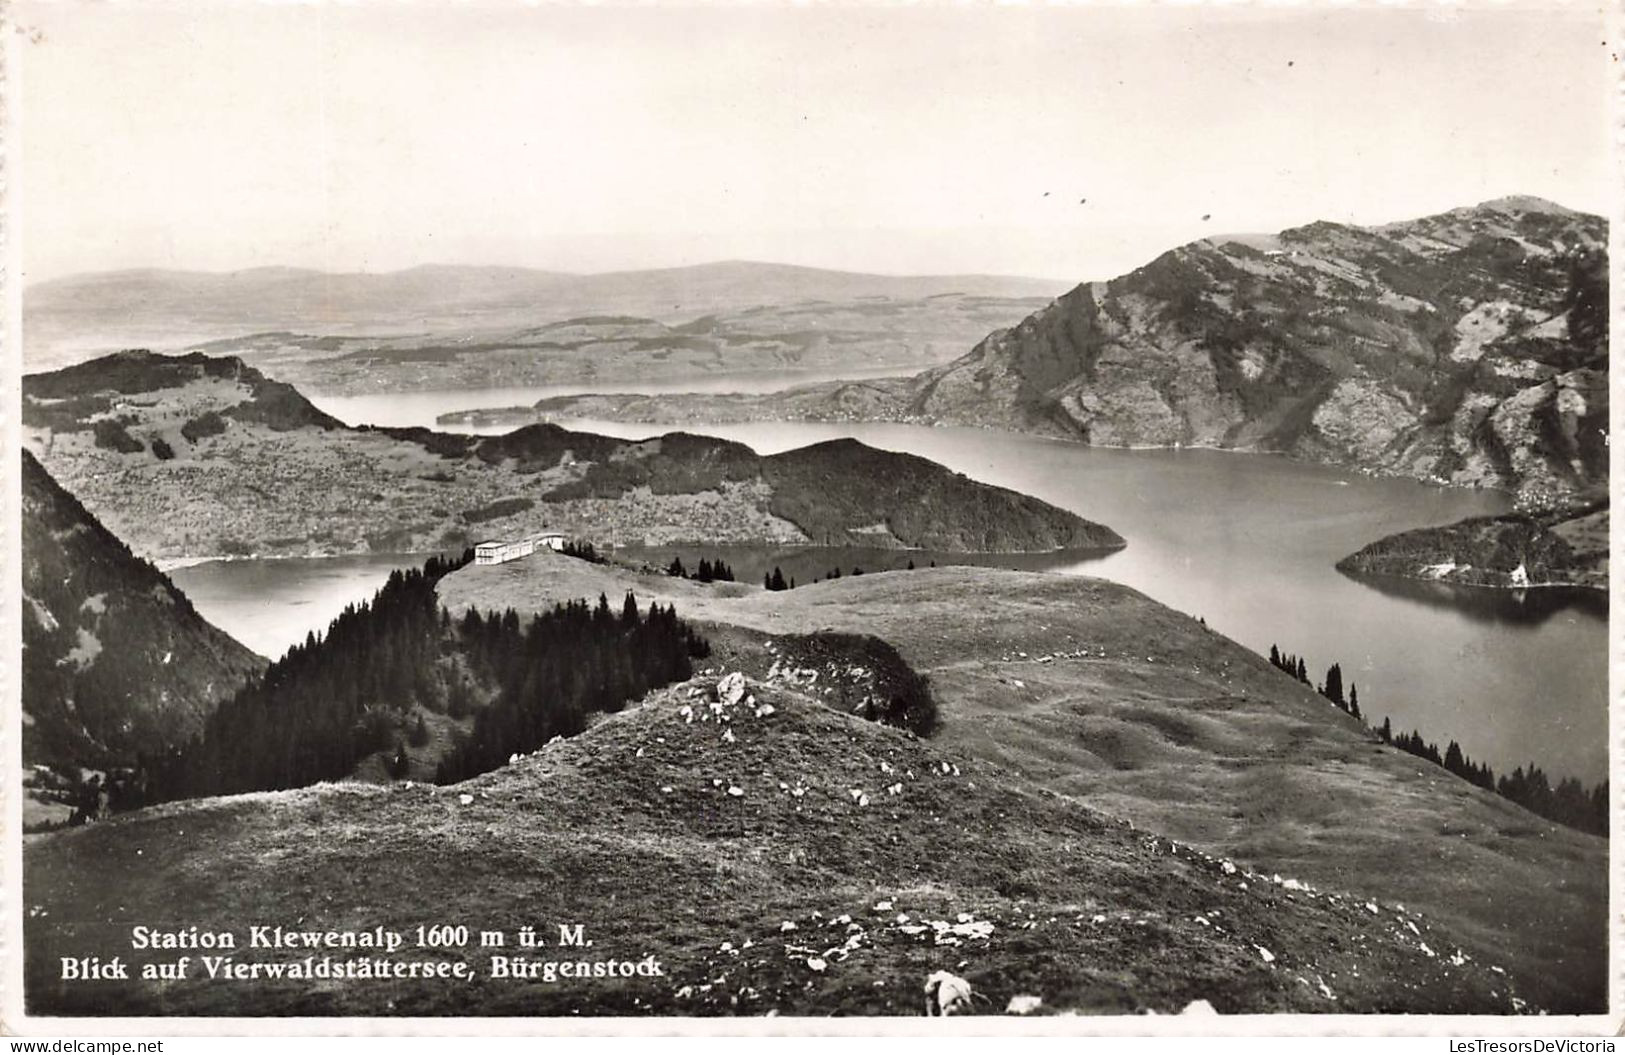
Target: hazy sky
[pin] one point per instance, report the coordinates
(376, 137)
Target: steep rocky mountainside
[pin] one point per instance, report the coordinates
(115, 659)
(759, 856)
(195, 455)
(1567, 548)
(1465, 348)
(1468, 347)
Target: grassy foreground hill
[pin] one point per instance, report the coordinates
(188, 456)
(116, 660)
(1096, 692)
(1469, 347)
(768, 857)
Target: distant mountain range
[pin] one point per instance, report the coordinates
(80, 315)
(115, 659)
(1468, 347)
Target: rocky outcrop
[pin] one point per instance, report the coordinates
(1466, 348)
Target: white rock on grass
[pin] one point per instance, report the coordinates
(731, 689)
(1023, 1004)
(1265, 954)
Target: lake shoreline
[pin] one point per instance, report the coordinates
(1257, 563)
(518, 417)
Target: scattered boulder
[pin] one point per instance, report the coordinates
(946, 994)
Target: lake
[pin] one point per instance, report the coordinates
(1247, 542)
(424, 406)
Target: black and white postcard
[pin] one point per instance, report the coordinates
(537, 513)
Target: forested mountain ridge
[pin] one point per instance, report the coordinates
(1566, 547)
(115, 659)
(205, 456)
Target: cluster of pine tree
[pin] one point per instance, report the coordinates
(775, 579)
(1293, 665)
(326, 704)
(1331, 688)
(582, 551)
(565, 664)
(708, 571)
(334, 700)
(1569, 803)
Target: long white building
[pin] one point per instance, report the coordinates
(500, 551)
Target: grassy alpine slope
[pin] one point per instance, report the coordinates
(773, 855)
(1096, 692)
